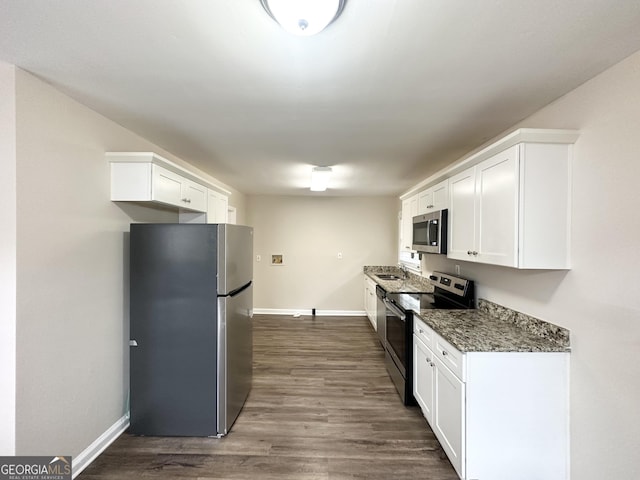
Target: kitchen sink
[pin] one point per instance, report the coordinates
(387, 276)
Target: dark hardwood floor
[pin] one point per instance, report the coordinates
(322, 407)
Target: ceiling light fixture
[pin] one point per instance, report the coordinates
(304, 17)
(320, 178)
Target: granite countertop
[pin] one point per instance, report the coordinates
(493, 328)
(411, 284)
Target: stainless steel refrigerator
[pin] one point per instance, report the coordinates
(191, 304)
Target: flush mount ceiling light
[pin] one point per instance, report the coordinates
(320, 178)
(304, 17)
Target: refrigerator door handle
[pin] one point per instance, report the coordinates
(239, 290)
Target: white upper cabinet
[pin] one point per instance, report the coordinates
(409, 210)
(434, 198)
(484, 213)
(217, 207)
(147, 177)
(407, 255)
(509, 203)
(441, 195)
(425, 201)
(462, 213)
(172, 189)
(513, 209)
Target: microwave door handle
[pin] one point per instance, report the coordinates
(429, 232)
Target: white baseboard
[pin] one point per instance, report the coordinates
(319, 313)
(90, 453)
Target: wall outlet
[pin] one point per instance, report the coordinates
(339, 255)
(457, 269)
(258, 258)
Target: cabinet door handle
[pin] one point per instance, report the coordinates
(475, 253)
(444, 353)
(433, 364)
(469, 252)
(420, 330)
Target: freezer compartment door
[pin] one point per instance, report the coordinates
(235, 359)
(235, 257)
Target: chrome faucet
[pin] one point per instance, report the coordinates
(403, 269)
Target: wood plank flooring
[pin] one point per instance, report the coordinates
(322, 407)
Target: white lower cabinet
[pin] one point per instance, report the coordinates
(441, 396)
(501, 415)
(370, 301)
(449, 413)
(423, 377)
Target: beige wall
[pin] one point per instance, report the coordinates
(599, 298)
(72, 305)
(7, 259)
(310, 232)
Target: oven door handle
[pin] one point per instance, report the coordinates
(395, 310)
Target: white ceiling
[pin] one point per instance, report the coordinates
(389, 93)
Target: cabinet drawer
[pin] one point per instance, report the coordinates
(424, 333)
(452, 358)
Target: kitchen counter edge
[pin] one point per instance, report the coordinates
(494, 328)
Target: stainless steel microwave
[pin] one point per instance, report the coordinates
(430, 232)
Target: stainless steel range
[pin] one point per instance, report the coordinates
(450, 292)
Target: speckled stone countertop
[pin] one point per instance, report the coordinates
(493, 328)
(412, 284)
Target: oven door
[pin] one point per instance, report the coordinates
(396, 329)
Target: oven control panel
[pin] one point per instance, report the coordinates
(456, 285)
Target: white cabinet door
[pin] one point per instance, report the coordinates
(462, 192)
(408, 255)
(423, 377)
(370, 305)
(365, 297)
(513, 209)
(425, 202)
(449, 415)
(217, 207)
(440, 193)
(409, 210)
(483, 213)
(170, 188)
(373, 308)
(497, 209)
(194, 196)
(166, 186)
